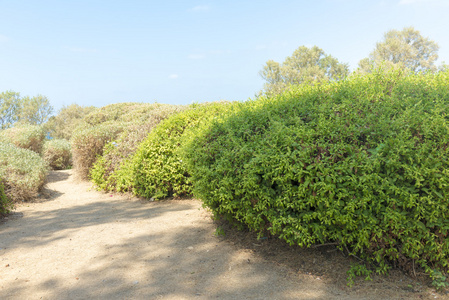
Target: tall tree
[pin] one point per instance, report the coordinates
(306, 65)
(10, 105)
(403, 49)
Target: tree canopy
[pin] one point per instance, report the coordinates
(10, 105)
(403, 49)
(306, 65)
(25, 110)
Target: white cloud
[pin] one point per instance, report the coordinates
(410, 2)
(405, 2)
(3, 38)
(173, 76)
(82, 50)
(200, 8)
(196, 56)
(261, 47)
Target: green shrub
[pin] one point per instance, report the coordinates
(25, 136)
(156, 170)
(23, 172)
(57, 154)
(363, 162)
(103, 172)
(5, 202)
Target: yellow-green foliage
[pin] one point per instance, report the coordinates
(363, 162)
(23, 172)
(102, 126)
(5, 202)
(57, 154)
(25, 136)
(103, 172)
(157, 170)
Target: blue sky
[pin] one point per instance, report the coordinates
(93, 52)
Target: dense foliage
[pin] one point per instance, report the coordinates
(104, 171)
(57, 154)
(5, 202)
(22, 171)
(362, 162)
(157, 169)
(30, 137)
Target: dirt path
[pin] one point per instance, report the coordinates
(83, 244)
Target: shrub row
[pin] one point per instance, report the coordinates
(363, 163)
(22, 172)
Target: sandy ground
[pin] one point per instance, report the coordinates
(84, 244)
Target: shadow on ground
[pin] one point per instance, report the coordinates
(105, 248)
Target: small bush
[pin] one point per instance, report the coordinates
(29, 137)
(103, 172)
(5, 202)
(23, 172)
(102, 126)
(157, 170)
(88, 143)
(363, 162)
(57, 154)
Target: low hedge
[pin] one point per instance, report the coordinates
(157, 170)
(30, 137)
(22, 171)
(363, 163)
(57, 153)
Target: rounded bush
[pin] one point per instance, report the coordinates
(57, 154)
(157, 170)
(103, 172)
(30, 137)
(363, 163)
(23, 172)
